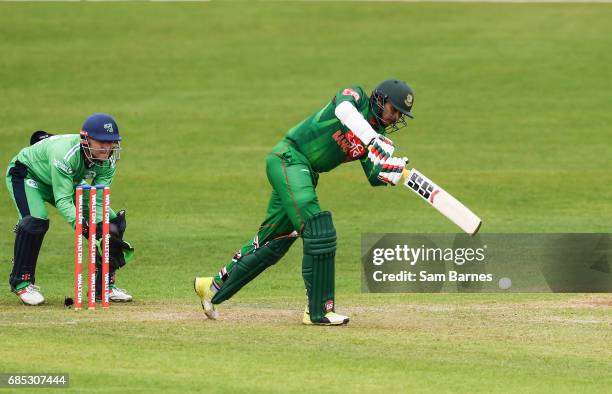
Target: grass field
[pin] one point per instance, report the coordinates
(512, 116)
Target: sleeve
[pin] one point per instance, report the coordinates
(371, 171)
(348, 103)
(63, 187)
(353, 94)
(104, 177)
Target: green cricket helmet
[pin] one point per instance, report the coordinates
(401, 97)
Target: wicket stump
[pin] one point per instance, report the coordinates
(105, 237)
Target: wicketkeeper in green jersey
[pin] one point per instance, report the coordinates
(352, 126)
(48, 171)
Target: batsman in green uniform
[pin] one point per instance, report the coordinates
(47, 172)
(352, 126)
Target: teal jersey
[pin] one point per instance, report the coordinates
(58, 163)
(325, 141)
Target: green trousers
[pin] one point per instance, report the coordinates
(28, 195)
(292, 202)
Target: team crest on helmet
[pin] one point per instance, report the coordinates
(408, 100)
(108, 127)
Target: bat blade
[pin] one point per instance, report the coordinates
(442, 201)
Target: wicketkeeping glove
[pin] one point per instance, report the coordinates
(381, 148)
(392, 169)
(120, 252)
(117, 226)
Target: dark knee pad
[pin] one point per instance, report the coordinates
(318, 264)
(251, 265)
(28, 241)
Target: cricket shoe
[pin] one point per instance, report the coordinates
(202, 287)
(330, 319)
(116, 294)
(30, 295)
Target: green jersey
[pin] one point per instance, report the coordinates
(325, 141)
(57, 163)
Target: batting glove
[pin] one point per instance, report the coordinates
(392, 169)
(381, 149)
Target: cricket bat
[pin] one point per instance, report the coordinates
(441, 200)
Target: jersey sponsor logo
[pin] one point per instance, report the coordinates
(351, 144)
(90, 175)
(351, 92)
(62, 166)
(32, 183)
(108, 127)
(357, 150)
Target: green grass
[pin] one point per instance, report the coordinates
(451, 344)
(511, 116)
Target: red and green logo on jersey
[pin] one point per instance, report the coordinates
(351, 92)
(351, 144)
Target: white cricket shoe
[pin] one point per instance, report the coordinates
(31, 295)
(330, 319)
(116, 294)
(202, 287)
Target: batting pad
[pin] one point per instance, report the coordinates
(318, 264)
(251, 265)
